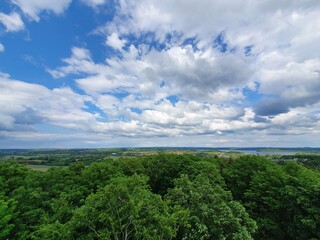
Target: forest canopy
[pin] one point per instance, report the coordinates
(162, 196)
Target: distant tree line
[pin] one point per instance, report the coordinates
(161, 197)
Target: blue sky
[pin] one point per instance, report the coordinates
(102, 73)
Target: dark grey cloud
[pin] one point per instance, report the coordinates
(260, 119)
(271, 108)
(28, 117)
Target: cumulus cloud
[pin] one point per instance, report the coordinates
(33, 8)
(1, 47)
(12, 22)
(186, 91)
(280, 38)
(139, 89)
(114, 41)
(34, 104)
(229, 71)
(182, 71)
(294, 85)
(198, 74)
(204, 18)
(94, 3)
(79, 62)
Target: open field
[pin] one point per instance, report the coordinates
(40, 168)
(42, 159)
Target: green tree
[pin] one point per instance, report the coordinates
(7, 208)
(266, 203)
(301, 198)
(162, 169)
(98, 174)
(130, 166)
(238, 173)
(124, 209)
(12, 176)
(212, 212)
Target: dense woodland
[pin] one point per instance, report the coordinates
(163, 196)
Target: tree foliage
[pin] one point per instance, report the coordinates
(212, 212)
(6, 215)
(161, 197)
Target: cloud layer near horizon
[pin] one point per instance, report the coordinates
(175, 73)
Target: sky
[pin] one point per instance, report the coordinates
(169, 73)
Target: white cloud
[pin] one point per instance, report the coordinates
(284, 38)
(198, 75)
(12, 22)
(1, 47)
(80, 61)
(290, 76)
(204, 18)
(161, 85)
(34, 104)
(94, 3)
(158, 117)
(150, 79)
(288, 27)
(281, 34)
(208, 86)
(293, 85)
(182, 71)
(114, 41)
(33, 8)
